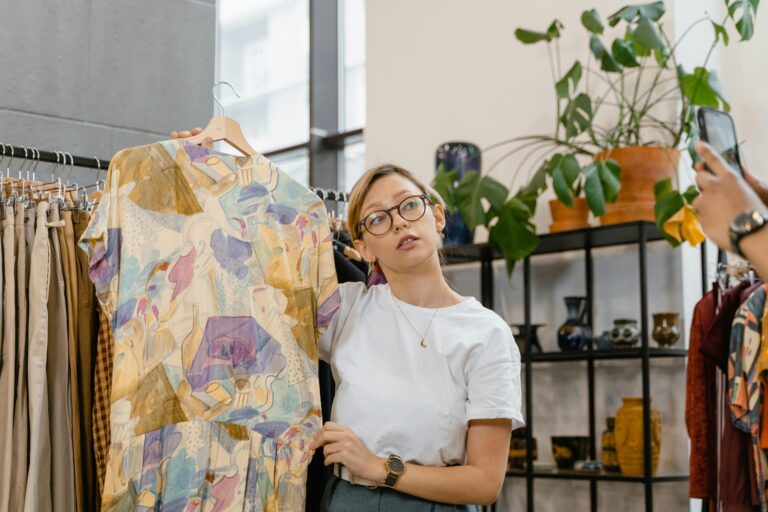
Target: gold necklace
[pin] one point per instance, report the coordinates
(422, 337)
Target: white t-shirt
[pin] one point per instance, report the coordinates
(401, 398)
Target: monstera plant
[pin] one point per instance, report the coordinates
(622, 117)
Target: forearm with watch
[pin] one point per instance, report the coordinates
(454, 484)
(749, 238)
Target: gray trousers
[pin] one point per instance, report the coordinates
(341, 496)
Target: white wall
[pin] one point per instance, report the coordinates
(744, 72)
(443, 70)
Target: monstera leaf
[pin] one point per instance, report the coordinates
(472, 189)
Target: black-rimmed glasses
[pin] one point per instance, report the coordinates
(380, 222)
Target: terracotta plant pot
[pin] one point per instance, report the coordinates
(568, 219)
(629, 437)
(641, 168)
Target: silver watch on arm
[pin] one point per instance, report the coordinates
(745, 224)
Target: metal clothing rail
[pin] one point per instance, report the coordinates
(54, 157)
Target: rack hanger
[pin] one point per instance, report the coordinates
(738, 270)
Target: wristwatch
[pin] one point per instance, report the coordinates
(395, 468)
(745, 224)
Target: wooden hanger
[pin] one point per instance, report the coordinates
(222, 128)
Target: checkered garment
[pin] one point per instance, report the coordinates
(102, 384)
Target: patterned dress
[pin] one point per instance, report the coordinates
(744, 389)
(217, 274)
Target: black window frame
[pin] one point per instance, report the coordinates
(326, 143)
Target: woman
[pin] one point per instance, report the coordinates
(428, 381)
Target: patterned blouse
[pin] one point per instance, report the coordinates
(217, 273)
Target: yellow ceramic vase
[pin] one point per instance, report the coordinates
(629, 437)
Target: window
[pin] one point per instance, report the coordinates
(352, 101)
(263, 50)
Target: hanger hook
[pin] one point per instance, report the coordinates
(56, 166)
(24, 162)
(216, 98)
(71, 165)
(98, 168)
(8, 168)
(36, 158)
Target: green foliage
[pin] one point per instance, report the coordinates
(571, 166)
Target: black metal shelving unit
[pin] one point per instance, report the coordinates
(635, 233)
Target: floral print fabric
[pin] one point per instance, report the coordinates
(217, 274)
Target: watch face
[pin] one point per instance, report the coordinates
(395, 465)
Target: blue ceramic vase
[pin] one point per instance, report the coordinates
(461, 157)
(574, 333)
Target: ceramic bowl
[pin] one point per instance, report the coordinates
(568, 449)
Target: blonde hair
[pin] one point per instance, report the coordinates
(366, 181)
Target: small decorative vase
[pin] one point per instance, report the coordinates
(629, 437)
(625, 332)
(609, 458)
(461, 157)
(521, 335)
(517, 453)
(574, 333)
(665, 330)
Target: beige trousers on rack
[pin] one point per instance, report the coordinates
(86, 333)
(59, 391)
(38, 491)
(20, 453)
(67, 245)
(8, 374)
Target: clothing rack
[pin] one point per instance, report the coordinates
(54, 157)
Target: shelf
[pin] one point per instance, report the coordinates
(603, 236)
(616, 353)
(604, 477)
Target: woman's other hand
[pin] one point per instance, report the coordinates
(724, 195)
(342, 446)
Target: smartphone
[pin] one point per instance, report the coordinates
(718, 130)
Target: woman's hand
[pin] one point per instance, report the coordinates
(342, 446)
(724, 195)
(185, 133)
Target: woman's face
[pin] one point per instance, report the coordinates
(408, 243)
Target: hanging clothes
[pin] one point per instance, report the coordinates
(217, 275)
(44, 369)
(744, 391)
(722, 467)
(8, 374)
(25, 224)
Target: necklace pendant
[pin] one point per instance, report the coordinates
(423, 343)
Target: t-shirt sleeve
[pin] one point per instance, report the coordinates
(493, 379)
(348, 294)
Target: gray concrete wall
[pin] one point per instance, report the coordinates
(94, 76)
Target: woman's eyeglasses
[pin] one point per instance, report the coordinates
(380, 222)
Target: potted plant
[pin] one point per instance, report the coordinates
(623, 116)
